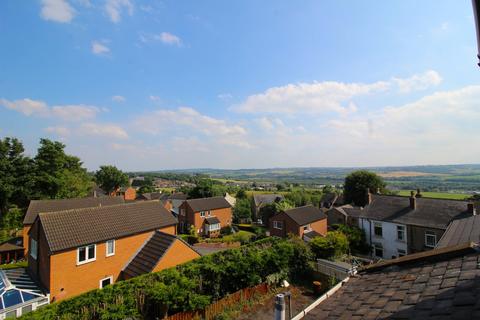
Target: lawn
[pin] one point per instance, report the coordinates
(438, 195)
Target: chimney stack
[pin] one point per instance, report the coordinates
(471, 208)
(419, 194)
(369, 196)
(413, 201)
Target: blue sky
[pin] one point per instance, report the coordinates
(151, 85)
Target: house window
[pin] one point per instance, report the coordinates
(377, 229)
(306, 227)
(401, 252)
(33, 248)
(105, 282)
(378, 250)
(208, 213)
(430, 239)
(202, 214)
(214, 227)
(86, 254)
(401, 233)
(110, 245)
(182, 212)
(278, 225)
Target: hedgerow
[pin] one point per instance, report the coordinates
(187, 287)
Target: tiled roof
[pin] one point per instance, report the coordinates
(4, 247)
(152, 195)
(263, 199)
(37, 206)
(77, 227)
(347, 210)
(434, 213)
(204, 204)
(312, 234)
(461, 231)
(442, 284)
(150, 254)
(305, 215)
(329, 197)
(212, 220)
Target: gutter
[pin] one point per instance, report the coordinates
(324, 297)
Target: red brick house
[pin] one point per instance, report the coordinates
(74, 251)
(207, 215)
(128, 193)
(305, 222)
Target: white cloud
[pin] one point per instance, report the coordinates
(118, 98)
(418, 82)
(100, 48)
(114, 9)
(59, 131)
(103, 130)
(225, 96)
(154, 98)
(168, 38)
(57, 10)
(39, 108)
(329, 96)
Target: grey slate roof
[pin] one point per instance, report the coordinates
(433, 213)
(204, 204)
(305, 215)
(440, 285)
(312, 234)
(37, 206)
(212, 220)
(348, 210)
(73, 228)
(150, 254)
(264, 199)
(152, 195)
(461, 231)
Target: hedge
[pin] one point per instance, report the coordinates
(187, 287)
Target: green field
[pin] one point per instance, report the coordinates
(438, 195)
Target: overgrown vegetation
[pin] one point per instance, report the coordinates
(333, 245)
(190, 286)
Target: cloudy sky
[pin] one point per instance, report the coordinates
(151, 85)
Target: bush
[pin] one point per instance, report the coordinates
(356, 238)
(225, 231)
(333, 245)
(187, 287)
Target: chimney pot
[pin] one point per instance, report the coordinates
(471, 208)
(419, 193)
(412, 193)
(413, 202)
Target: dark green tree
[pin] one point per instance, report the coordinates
(57, 174)
(206, 188)
(16, 174)
(110, 178)
(242, 210)
(333, 245)
(241, 194)
(358, 182)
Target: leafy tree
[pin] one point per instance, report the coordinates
(146, 189)
(241, 194)
(242, 210)
(12, 219)
(333, 245)
(328, 189)
(358, 182)
(16, 174)
(58, 175)
(206, 188)
(356, 237)
(109, 178)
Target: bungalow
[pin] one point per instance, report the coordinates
(306, 222)
(395, 226)
(207, 215)
(74, 251)
(37, 206)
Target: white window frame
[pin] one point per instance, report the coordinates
(401, 252)
(402, 231)
(378, 246)
(278, 225)
(202, 214)
(33, 248)
(307, 227)
(214, 227)
(430, 234)
(378, 224)
(107, 278)
(107, 254)
(87, 260)
(182, 212)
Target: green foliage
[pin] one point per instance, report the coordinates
(187, 287)
(206, 188)
(146, 189)
(242, 210)
(358, 182)
(333, 245)
(12, 219)
(356, 238)
(241, 194)
(110, 178)
(302, 197)
(21, 264)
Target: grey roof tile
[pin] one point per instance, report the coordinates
(205, 204)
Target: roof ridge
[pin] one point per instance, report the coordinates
(422, 197)
(97, 207)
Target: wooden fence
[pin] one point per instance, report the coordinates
(218, 307)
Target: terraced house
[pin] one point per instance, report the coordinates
(396, 226)
(207, 216)
(77, 250)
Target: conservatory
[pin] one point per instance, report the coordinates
(19, 294)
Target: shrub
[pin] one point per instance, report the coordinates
(333, 245)
(356, 238)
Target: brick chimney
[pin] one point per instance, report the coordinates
(419, 193)
(368, 196)
(471, 208)
(413, 200)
